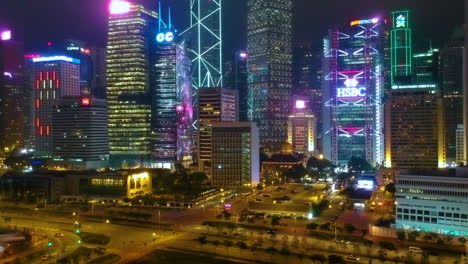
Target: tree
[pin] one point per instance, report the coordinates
(275, 220)
(462, 240)
(390, 188)
(17, 163)
(325, 226)
(387, 245)
(349, 228)
(364, 232)
(356, 164)
(188, 184)
(228, 243)
(241, 245)
(335, 259)
(320, 168)
(318, 258)
(401, 235)
(413, 235)
(312, 226)
(296, 173)
(271, 250)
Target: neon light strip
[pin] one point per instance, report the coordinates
(56, 58)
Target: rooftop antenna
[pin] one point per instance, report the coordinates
(161, 23)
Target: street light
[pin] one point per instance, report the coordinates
(242, 55)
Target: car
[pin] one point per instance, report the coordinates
(59, 235)
(45, 258)
(351, 259)
(258, 200)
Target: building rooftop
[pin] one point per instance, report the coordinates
(459, 172)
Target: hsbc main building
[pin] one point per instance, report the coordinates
(353, 92)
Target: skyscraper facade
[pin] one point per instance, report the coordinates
(130, 50)
(414, 129)
(215, 105)
(401, 47)
(451, 84)
(92, 67)
(352, 93)
(54, 78)
(235, 154)
(11, 94)
(80, 133)
(172, 103)
(269, 37)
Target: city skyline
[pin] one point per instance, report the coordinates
(233, 131)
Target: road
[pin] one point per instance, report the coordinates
(129, 242)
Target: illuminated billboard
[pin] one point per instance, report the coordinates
(351, 92)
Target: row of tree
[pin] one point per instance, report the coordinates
(323, 168)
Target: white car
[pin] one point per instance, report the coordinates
(351, 258)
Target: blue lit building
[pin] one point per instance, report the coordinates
(352, 92)
(172, 113)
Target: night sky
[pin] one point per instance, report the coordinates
(39, 21)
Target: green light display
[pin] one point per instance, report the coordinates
(401, 46)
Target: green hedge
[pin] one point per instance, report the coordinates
(92, 238)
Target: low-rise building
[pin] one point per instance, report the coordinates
(433, 201)
(76, 186)
(276, 167)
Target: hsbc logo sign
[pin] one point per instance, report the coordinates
(351, 92)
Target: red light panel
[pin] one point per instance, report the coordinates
(85, 101)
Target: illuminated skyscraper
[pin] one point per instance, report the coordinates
(269, 37)
(352, 93)
(11, 93)
(54, 78)
(302, 130)
(172, 101)
(130, 50)
(401, 46)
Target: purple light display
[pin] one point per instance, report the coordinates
(6, 35)
(119, 7)
(184, 109)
